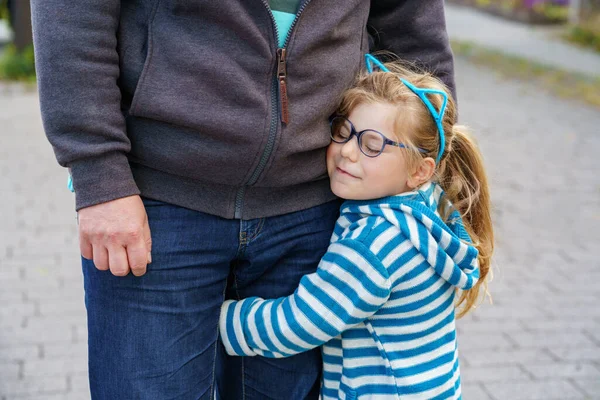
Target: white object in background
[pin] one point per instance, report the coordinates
(5, 32)
(574, 11)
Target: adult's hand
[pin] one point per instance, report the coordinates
(116, 236)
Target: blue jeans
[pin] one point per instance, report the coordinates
(155, 337)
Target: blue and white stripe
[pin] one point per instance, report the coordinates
(381, 303)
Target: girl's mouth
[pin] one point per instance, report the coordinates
(343, 172)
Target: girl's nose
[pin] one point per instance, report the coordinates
(350, 149)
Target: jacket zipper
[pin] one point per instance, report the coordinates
(282, 65)
(280, 81)
(281, 76)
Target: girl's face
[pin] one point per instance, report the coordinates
(354, 176)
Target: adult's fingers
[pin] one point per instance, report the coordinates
(100, 256)
(137, 254)
(148, 240)
(117, 260)
(85, 247)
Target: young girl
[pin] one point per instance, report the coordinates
(414, 240)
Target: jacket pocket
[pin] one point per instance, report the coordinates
(383, 353)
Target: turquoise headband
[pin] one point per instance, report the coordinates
(422, 93)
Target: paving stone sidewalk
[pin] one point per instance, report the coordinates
(537, 43)
(540, 339)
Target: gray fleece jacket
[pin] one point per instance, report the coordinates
(192, 102)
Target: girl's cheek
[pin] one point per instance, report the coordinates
(331, 152)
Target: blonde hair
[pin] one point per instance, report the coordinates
(460, 172)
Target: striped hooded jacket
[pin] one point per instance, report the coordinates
(381, 303)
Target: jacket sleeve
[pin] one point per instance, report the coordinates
(77, 68)
(415, 30)
(350, 285)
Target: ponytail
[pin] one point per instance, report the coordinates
(463, 178)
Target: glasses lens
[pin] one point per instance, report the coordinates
(371, 143)
(340, 130)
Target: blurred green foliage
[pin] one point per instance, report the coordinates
(554, 12)
(547, 10)
(17, 65)
(586, 34)
(3, 10)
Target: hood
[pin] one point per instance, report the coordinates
(446, 246)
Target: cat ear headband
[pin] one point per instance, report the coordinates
(422, 93)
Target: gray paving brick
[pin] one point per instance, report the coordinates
(508, 373)
(547, 390)
(563, 370)
(12, 296)
(61, 350)
(56, 320)
(58, 323)
(561, 324)
(79, 382)
(9, 323)
(589, 386)
(47, 274)
(55, 396)
(550, 339)
(507, 357)
(474, 391)
(491, 326)
(577, 354)
(503, 313)
(8, 311)
(66, 293)
(35, 284)
(566, 287)
(37, 386)
(80, 334)
(593, 335)
(19, 352)
(52, 334)
(10, 273)
(54, 367)
(573, 300)
(581, 310)
(62, 307)
(9, 370)
(472, 342)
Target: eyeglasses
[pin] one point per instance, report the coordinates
(370, 142)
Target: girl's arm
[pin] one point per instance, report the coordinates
(350, 285)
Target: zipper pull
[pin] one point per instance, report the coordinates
(281, 76)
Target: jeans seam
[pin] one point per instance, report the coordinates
(212, 384)
(243, 381)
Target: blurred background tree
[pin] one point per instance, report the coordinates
(16, 59)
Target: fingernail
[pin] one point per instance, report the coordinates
(149, 258)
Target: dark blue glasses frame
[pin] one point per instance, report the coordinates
(353, 132)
